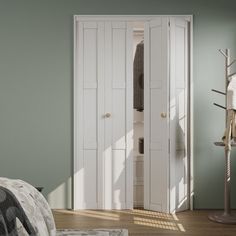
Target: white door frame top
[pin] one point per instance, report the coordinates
(77, 184)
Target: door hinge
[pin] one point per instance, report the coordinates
(169, 23)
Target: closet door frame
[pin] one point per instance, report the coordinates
(76, 91)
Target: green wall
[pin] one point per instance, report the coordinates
(36, 79)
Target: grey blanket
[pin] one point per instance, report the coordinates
(37, 211)
(10, 211)
(30, 213)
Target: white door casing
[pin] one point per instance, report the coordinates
(103, 125)
(103, 107)
(156, 129)
(179, 76)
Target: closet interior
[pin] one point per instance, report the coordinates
(138, 115)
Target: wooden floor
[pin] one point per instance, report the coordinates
(142, 222)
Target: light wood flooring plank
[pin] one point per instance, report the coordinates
(144, 223)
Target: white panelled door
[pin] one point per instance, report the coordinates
(166, 115)
(88, 115)
(103, 107)
(118, 187)
(179, 196)
(156, 129)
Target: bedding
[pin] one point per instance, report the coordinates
(24, 211)
(10, 210)
(36, 208)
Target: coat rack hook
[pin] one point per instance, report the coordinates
(229, 76)
(232, 63)
(219, 106)
(217, 91)
(223, 53)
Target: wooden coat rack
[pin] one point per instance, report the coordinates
(226, 216)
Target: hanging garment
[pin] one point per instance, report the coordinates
(230, 132)
(138, 72)
(231, 93)
(141, 145)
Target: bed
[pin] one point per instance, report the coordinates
(24, 211)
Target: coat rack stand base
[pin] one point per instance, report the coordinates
(222, 217)
(226, 216)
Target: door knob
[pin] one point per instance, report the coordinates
(163, 115)
(107, 115)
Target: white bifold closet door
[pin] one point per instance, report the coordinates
(103, 141)
(156, 105)
(165, 114)
(179, 74)
(103, 167)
